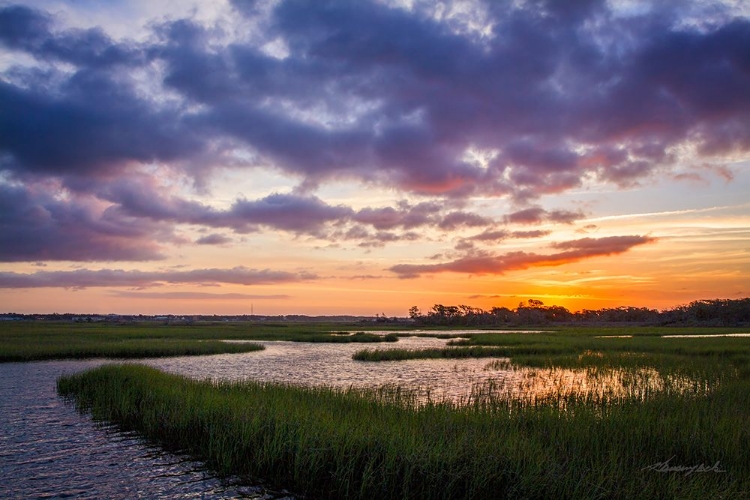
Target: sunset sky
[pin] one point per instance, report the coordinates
(363, 157)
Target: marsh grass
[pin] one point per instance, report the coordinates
(582, 347)
(384, 443)
(434, 353)
(30, 340)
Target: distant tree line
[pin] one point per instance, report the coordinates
(717, 312)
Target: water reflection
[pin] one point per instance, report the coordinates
(594, 383)
(458, 380)
(706, 336)
(332, 365)
(49, 450)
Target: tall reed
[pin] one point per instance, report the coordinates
(379, 443)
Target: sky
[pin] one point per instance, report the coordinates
(337, 157)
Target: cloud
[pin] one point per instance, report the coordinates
(457, 219)
(480, 262)
(381, 238)
(122, 220)
(288, 212)
(94, 126)
(405, 216)
(85, 278)
(194, 296)
(491, 235)
(529, 234)
(35, 225)
(602, 246)
(292, 212)
(394, 96)
(366, 277)
(538, 215)
(548, 94)
(213, 239)
(29, 30)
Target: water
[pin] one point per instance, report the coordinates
(707, 336)
(457, 380)
(49, 450)
(332, 365)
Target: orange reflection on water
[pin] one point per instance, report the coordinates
(536, 385)
(459, 381)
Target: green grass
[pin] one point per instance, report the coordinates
(588, 346)
(31, 340)
(330, 443)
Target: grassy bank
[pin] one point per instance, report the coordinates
(29, 340)
(588, 346)
(376, 444)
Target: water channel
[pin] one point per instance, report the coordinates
(49, 450)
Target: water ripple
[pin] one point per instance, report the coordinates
(49, 451)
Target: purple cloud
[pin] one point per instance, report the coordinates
(491, 235)
(405, 216)
(429, 93)
(29, 30)
(481, 262)
(381, 238)
(558, 92)
(35, 225)
(296, 213)
(457, 219)
(84, 278)
(538, 215)
(213, 239)
(288, 212)
(123, 220)
(195, 296)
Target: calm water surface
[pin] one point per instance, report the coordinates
(453, 379)
(332, 365)
(49, 450)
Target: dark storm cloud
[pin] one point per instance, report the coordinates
(288, 212)
(29, 30)
(386, 94)
(35, 225)
(482, 262)
(546, 79)
(84, 278)
(559, 92)
(296, 213)
(91, 121)
(95, 126)
(22, 27)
